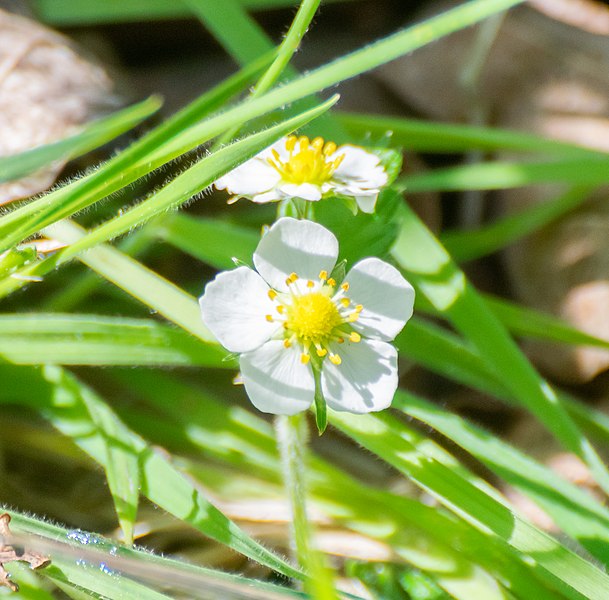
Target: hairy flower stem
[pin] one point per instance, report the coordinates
(292, 439)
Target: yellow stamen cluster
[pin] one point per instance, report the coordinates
(315, 314)
(309, 163)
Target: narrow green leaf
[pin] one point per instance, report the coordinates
(426, 136)
(472, 244)
(575, 511)
(89, 559)
(113, 175)
(36, 338)
(430, 268)
(590, 171)
(414, 456)
(193, 180)
(66, 403)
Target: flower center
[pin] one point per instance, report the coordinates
(308, 164)
(313, 317)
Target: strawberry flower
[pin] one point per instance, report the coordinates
(289, 317)
(311, 170)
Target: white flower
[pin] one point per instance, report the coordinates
(291, 314)
(297, 168)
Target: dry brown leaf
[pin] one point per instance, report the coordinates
(46, 91)
(9, 554)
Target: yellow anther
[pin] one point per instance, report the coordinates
(290, 143)
(340, 340)
(331, 282)
(321, 352)
(272, 294)
(345, 302)
(304, 358)
(280, 309)
(323, 275)
(287, 343)
(336, 162)
(355, 337)
(353, 317)
(335, 359)
(307, 162)
(310, 284)
(329, 148)
(269, 318)
(359, 308)
(345, 286)
(293, 277)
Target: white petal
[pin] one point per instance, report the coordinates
(360, 166)
(275, 379)
(306, 191)
(253, 177)
(365, 380)
(270, 196)
(293, 246)
(387, 298)
(366, 202)
(234, 307)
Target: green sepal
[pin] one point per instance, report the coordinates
(339, 271)
(349, 202)
(239, 263)
(321, 413)
(287, 208)
(391, 160)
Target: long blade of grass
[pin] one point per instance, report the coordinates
(176, 192)
(426, 136)
(436, 276)
(504, 175)
(194, 180)
(66, 547)
(475, 243)
(413, 455)
(575, 511)
(72, 13)
(105, 181)
(119, 172)
(66, 403)
(35, 338)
